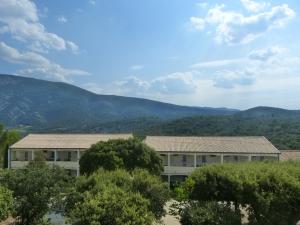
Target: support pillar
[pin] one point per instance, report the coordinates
(32, 155)
(249, 158)
(9, 158)
(195, 160)
(222, 159)
(55, 155)
(78, 167)
(169, 159)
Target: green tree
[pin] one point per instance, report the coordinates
(111, 206)
(268, 192)
(37, 189)
(209, 213)
(118, 154)
(139, 181)
(7, 138)
(6, 203)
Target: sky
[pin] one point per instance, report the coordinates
(234, 53)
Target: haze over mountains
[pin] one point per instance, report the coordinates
(33, 105)
(38, 103)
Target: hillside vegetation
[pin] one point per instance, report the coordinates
(34, 103)
(281, 127)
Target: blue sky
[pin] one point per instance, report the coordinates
(233, 53)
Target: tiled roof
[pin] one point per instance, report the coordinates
(290, 155)
(211, 144)
(64, 141)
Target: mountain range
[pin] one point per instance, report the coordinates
(33, 105)
(30, 102)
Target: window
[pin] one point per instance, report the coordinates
(184, 160)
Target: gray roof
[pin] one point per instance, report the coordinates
(64, 141)
(290, 155)
(254, 145)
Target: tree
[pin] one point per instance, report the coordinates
(6, 203)
(209, 213)
(36, 190)
(7, 138)
(111, 206)
(268, 192)
(140, 182)
(120, 154)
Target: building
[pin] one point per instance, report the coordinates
(59, 149)
(180, 155)
(290, 155)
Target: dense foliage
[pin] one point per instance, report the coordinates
(111, 206)
(37, 189)
(209, 213)
(268, 192)
(282, 131)
(7, 138)
(6, 202)
(116, 154)
(118, 193)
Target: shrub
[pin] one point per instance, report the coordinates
(140, 182)
(209, 213)
(121, 154)
(270, 192)
(6, 203)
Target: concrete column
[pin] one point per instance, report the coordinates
(195, 160)
(32, 155)
(169, 159)
(222, 159)
(9, 158)
(55, 155)
(78, 155)
(78, 167)
(249, 158)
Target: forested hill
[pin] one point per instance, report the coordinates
(282, 127)
(43, 104)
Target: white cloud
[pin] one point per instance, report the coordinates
(253, 6)
(20, 19)
(241, 82)
(202, 5)
(137, 67)
(216, 63)
(38, 64)
(171, 84)
(92, 2)
(62, 19)
(266, 53)
(235, 28)
(197, 23)
(230, 79)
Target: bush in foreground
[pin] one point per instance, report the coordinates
(6, 203)
(209, 213)
(139, 188)
(37, 189)
(269, 192)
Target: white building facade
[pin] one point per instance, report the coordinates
(180, 155)
(58, 149)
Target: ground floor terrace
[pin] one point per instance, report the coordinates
(177, 166)
(68, 159)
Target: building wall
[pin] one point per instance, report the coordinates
(175, 164)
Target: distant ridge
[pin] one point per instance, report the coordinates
(38, 103)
